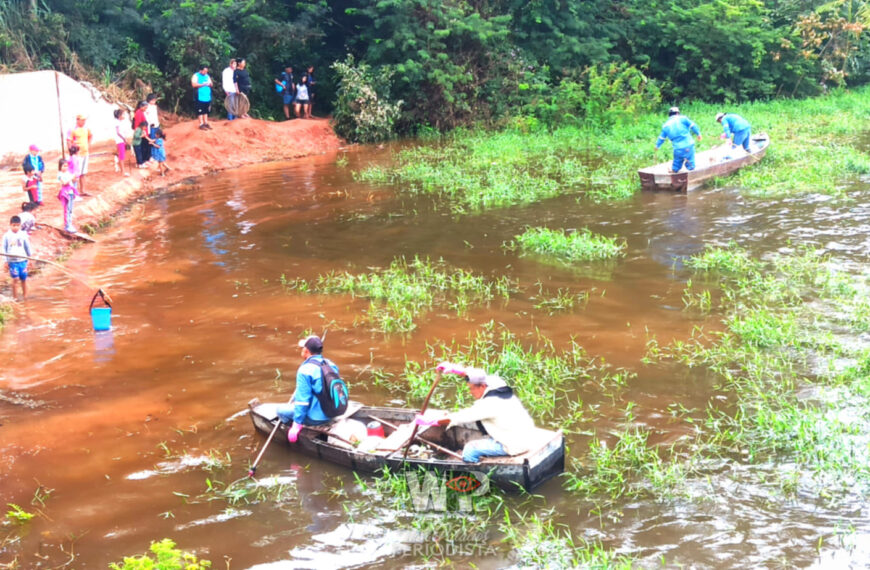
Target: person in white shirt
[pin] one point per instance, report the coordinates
(122, 134)
(16, 242)
(228, 83)
(151, 114)
(497, 410)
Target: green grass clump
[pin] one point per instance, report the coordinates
(562, 300)
(166, 557)
(480, 170)
(624, 464)
(406, 290)
(581, 245)
(731, 259)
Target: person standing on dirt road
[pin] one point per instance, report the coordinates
(33, 163)
(242, 79)
(153, 120)
(228, 83)
(312, 87)
(287, 86)
(81, 136)
(202, 83)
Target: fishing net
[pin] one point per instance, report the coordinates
(237, 104)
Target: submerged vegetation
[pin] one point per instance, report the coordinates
(788, 358)
(406, 290)
(482, 525)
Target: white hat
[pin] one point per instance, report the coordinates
(673, 111)
(719, 117)
(475, 375)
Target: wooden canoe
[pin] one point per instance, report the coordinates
(709, 164)
(527, 471)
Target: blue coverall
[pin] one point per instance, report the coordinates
(739, 127)
(679, 130)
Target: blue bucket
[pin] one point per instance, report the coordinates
(101, 317)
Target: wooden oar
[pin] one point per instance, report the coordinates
(422, 411)
(253, 468)
(421, 438)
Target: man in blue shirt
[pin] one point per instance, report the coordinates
(679, 130)
(202, 83)
(305, 408)
(737, 127)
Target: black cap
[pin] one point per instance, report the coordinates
(312, 343)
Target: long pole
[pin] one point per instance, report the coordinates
(59, 266)
(253, 468)
(59, 116)
(422, 411)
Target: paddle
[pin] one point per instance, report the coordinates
(423, 411)
(253, 468)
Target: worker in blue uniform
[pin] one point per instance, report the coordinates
(737, 127)
(678, 129)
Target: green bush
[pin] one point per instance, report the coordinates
(604, 96)
(363, 111)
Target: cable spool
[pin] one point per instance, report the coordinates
(237, 104)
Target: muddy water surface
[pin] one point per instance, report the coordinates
(120, 424)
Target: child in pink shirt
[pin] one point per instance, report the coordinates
(67, 194)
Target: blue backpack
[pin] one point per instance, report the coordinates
(333, 397)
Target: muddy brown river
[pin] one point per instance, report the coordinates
(114, 429)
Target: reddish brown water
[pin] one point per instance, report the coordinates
(202, 325)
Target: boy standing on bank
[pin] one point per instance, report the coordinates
(16, 242)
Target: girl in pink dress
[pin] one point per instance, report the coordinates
(67, 194)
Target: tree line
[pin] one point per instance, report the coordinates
(454, 62)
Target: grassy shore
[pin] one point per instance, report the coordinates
(815, 147)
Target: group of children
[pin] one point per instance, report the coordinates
(69, 172)
(148, 144)
(148, 139)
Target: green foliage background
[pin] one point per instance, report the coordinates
(452, 62)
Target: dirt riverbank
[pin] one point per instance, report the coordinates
(190, 152)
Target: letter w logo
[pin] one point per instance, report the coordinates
(432, 491)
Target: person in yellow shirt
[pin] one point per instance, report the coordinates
(81, 136)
